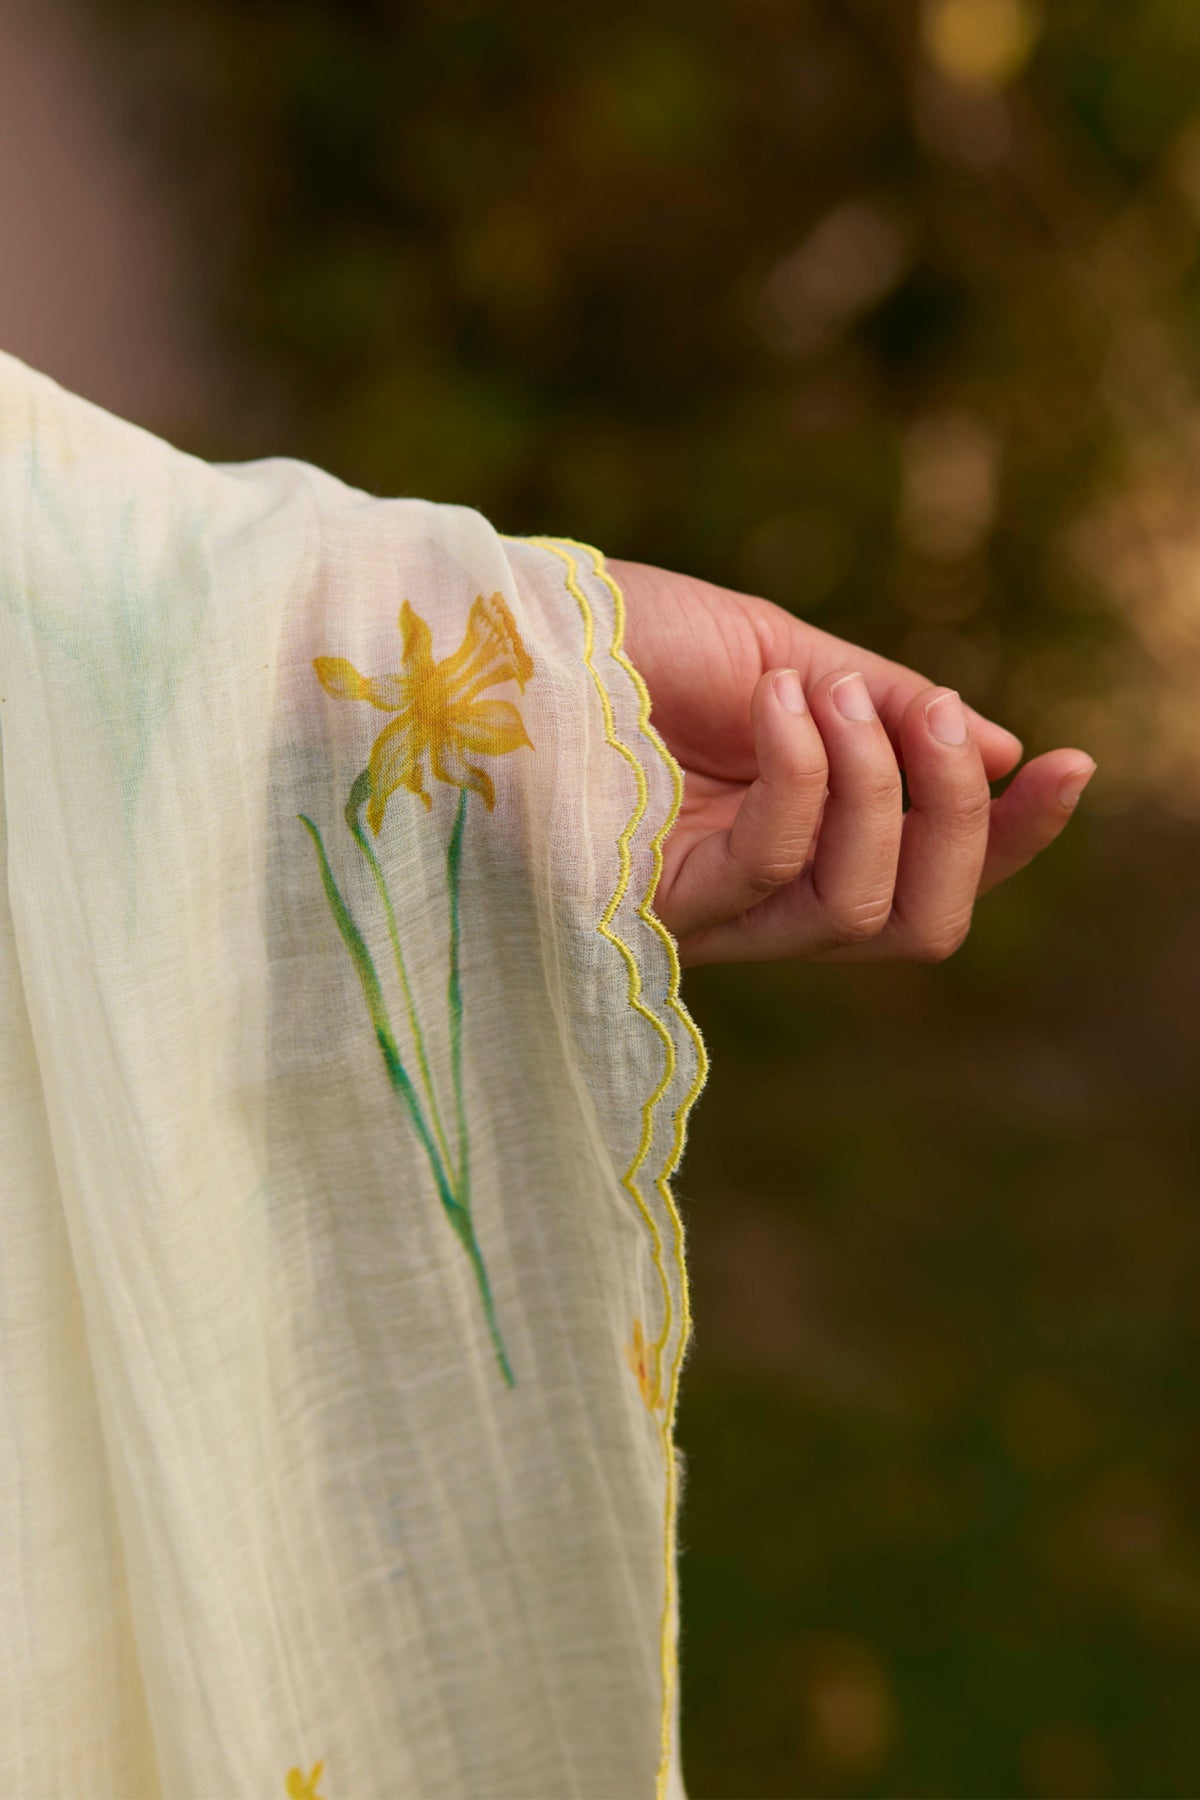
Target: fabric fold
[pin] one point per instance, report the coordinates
(345, 1088)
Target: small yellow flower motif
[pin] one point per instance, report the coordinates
(437, 712)
(643, 1360)
(304, 1787)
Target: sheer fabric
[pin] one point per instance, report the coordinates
(342, 1076)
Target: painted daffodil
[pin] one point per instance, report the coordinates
(643, 1360)
(438, 712)
(304, 1787)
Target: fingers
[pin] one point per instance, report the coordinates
(945, 830)
(893, 687)
(820, 860)
(854, 867)
(844, 893)
(729, 872)
(1032, 811)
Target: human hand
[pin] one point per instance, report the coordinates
(791, 841)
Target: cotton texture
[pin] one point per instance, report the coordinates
(342, 1076)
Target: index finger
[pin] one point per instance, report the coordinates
(891, 685)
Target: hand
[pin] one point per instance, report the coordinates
(791, 841)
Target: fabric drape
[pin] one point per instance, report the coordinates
(343, 1073)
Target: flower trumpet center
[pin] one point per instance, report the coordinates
(438, 710)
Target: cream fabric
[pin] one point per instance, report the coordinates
(273, 1518)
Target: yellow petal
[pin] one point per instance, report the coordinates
(304, 1787)
(418, 644)
(491, 652)
(450, 765)
(505, 625)
(341, 679)
(395, 761)
(489, 727)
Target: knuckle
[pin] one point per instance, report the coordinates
(765, 855)
(941, 941)
(808, 769)
(969, 816)
(884, 793)
(764, 878)
(857, 923)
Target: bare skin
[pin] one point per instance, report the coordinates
(791, 842)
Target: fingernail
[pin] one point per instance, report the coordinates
(790, 691)
(851, 698)
(1072, 786)
(946, 719)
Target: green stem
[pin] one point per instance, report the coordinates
(456, 1205)
(454, 994)
(489, 1307)
(359, 795)
(364, 964)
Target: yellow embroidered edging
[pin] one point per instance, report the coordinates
(662, 1180)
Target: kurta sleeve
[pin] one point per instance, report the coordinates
(343, 1075)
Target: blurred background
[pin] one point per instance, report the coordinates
(890, 312)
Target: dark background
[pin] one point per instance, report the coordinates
(893, 315)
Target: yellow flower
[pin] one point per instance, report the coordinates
(643, 1360)
(304, 1787)
(437, 712)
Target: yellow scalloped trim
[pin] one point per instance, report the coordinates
(666, 1423)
